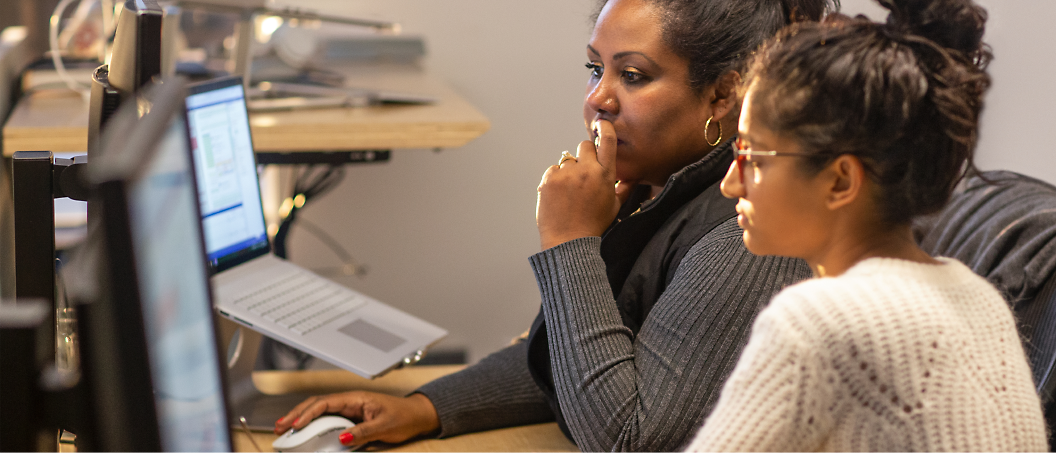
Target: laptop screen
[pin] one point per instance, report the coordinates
(174, 293)
(229, 194)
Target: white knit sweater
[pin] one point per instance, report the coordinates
(890, 356)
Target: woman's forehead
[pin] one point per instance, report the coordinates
(629, 26)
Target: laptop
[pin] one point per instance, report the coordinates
(257, 289)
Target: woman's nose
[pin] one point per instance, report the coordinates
(602, 98)
(732, 186)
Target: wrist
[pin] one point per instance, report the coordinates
(426, 418)
(548, 241)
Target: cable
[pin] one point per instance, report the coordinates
(56, 57)
(109, 25)
(308, 185)
(349, 265)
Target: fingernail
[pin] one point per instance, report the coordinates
(279, 420)
(346, 438)
(296, 420)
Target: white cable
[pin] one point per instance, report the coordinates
(108, 26)
(56, 58)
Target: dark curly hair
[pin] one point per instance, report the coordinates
(904, 96)
(717, 36)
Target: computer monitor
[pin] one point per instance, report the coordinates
(152, 362)
(136, 55)
(134, 60)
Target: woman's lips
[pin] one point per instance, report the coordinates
(742, 220)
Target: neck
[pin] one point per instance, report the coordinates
(657, 184)
(860, 243)
(654, 190)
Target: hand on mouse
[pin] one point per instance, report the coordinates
(580, 197)
(378, 417)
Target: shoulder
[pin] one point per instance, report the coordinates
(885, 292)
(728, 230)
(723, 248)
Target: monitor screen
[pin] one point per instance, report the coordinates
(232, 216)
(175, 298)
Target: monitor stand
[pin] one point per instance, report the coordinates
(244, 398)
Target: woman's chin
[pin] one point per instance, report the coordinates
(753, 245)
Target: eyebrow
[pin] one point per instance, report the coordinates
(622, 55)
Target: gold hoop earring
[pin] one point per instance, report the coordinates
(707, 125)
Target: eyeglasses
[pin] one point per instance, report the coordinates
(741, 153)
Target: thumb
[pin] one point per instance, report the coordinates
(606, 145)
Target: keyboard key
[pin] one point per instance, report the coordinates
(301, 302)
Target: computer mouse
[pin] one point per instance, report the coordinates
(320, 434)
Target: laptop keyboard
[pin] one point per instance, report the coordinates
(301, 302)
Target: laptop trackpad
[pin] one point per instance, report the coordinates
(372, 335)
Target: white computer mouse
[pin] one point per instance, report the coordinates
(320, 434)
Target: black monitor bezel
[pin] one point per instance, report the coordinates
(128, 77)
(121, 305)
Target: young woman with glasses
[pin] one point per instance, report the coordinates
(850, 129)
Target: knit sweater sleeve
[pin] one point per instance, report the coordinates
(618, 391)
(496, 392)
(764, 405)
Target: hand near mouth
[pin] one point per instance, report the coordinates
(580, 198)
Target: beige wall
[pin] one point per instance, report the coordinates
(447, 234)
(1020, 106)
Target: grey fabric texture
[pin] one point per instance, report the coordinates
(495, 393)
(1005, 231)
(651, 392)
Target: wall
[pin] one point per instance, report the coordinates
(447, 235)
(1020, 103)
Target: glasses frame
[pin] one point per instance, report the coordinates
(741, 153)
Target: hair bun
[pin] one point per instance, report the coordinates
(804, 10)
(953, 24)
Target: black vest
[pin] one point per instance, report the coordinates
(643, 248)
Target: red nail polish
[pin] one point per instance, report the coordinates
(296, 420)
(279, 420)
(346, 438)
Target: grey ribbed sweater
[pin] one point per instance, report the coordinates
(618, 391)
(651, 392)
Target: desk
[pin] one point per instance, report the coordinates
(541, 437)
(545, 437)
(57, 120)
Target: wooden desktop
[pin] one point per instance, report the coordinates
(541, 437)
(57, 119)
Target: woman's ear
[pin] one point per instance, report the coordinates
(725, 95)
(847, 183)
